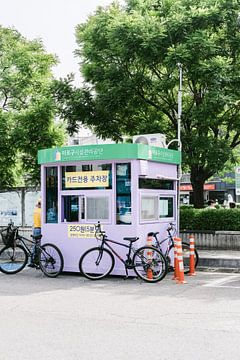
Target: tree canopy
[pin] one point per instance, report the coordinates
(26, 107)
(129, 58)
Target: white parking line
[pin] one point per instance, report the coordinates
(224, 282)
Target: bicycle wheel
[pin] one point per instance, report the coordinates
(186, 256)
(96, 263)
(50, 260)
(13, 259)
(150, 264)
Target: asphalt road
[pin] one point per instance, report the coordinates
(70, 318)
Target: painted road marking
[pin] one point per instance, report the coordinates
(226, 282)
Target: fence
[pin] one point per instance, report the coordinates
(216, 240)
(17, 205)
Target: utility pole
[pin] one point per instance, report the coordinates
(179, 143)
(179, 107)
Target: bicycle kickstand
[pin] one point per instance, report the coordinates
(126, 277)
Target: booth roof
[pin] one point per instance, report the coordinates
(109, 152)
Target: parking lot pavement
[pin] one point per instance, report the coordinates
(32, 281)
(71, 318)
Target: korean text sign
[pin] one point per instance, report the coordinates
(85, 179)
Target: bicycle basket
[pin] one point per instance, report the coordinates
(8, 237)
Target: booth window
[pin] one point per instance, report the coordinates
(87, 177)
(149, 207)
(123, 193)
(166, 207)
(51, 194)
(70, 208)
(155, 184)
(97, 208)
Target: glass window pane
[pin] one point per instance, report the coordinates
(145, 183)
(52, 194)
(149, 208)
(70, 208)
(123, 193)
(97, 208)
(166, 207)
(87, 168)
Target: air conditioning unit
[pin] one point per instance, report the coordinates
(150, 139)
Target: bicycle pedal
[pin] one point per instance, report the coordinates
(31, 265)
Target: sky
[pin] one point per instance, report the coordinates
(54, 22)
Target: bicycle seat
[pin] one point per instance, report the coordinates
(131, 239)
(153, 233)
(38, 237)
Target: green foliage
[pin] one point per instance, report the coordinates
(26, 107)
(210, 219)
(129, 62)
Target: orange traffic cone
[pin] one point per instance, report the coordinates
(180, 279)
(149, 255)
(149, 239)
(191, 259)
(149, 274)
(176, 269)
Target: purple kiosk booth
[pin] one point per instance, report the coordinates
(130, 188)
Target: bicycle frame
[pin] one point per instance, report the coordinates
(126, 262)
(170, 243)
(22, 240)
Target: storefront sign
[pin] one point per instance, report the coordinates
(86, 231)
(237, 180)
(109, 152)
(85, 179)
(205, 187)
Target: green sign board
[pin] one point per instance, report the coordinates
(109, 152)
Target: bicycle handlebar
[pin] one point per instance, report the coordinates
(98, 231)
(171, 227)
(9, 227)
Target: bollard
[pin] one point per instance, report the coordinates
(176, 269)
(149, 239)
(180, 279)
(149, 255)
(191, 258)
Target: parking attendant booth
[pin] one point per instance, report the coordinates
(130, 188)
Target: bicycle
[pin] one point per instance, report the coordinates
(15, 254)
(170, 247)
(148, 263)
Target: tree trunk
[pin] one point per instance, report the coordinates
(198, 196)
(198, 178)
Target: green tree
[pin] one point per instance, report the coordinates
(129, 59)
(26, 107)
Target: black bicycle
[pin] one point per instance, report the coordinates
(15, 254)
(171, 230)
(148, 262)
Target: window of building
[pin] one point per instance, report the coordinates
(123, 193)
(52, 194)
(154, 184)
(88, 176)
(149, 207)
(166, 207)
(70, 208)
(97, 208)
